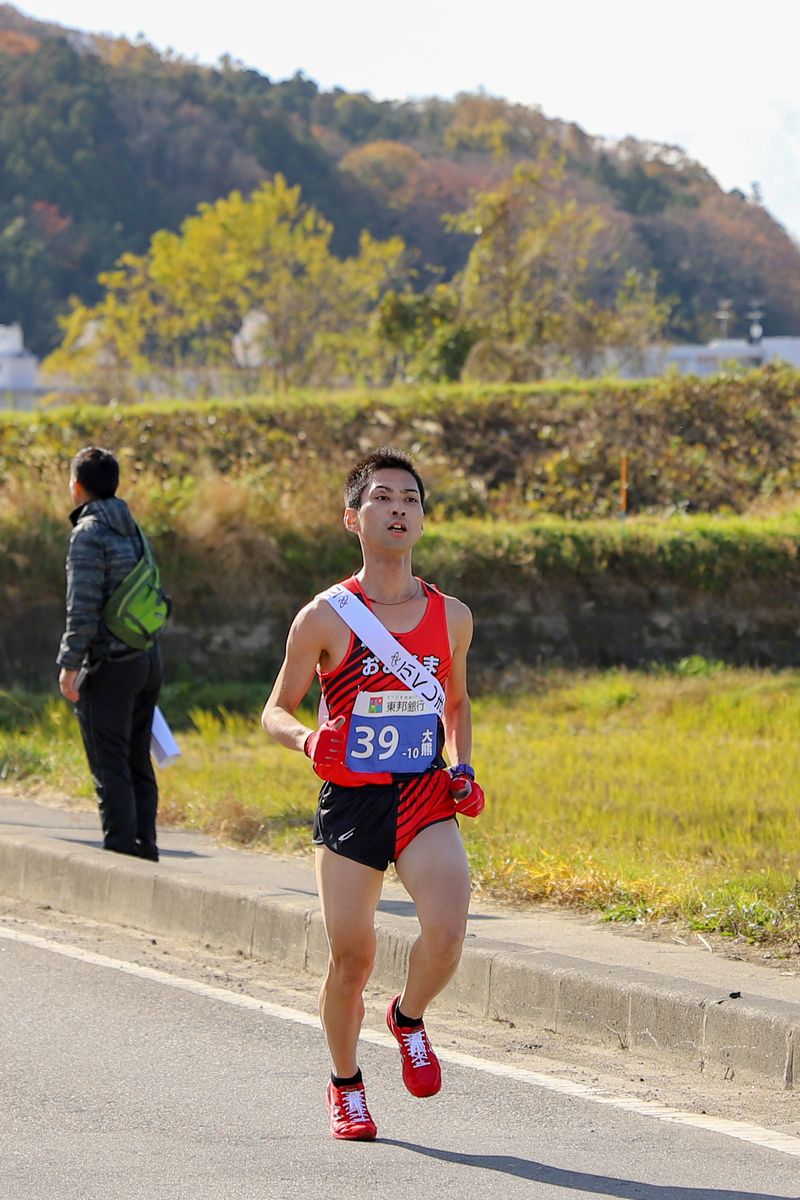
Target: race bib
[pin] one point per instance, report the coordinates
(391, 731)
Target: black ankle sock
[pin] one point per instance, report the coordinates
(403, 1021)
(337, 1080)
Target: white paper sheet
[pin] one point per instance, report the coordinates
(163, 747)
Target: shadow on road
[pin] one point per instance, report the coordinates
(96, 844)
(578, 1181)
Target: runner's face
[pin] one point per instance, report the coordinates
(390, 512)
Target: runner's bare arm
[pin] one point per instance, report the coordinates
(304, 647)
(457, 709)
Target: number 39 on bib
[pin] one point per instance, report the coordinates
(391, 731)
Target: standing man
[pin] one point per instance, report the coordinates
(386, 795)
(115, 689)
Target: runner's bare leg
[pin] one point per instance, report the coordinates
(349, 893)
(434, 872)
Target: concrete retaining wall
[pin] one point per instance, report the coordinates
(609, 621)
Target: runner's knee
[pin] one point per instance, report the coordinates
(444, 939)
(351, 965)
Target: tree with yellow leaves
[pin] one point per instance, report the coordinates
(263, 262)
(528, 286)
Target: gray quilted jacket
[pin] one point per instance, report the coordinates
(103, 548)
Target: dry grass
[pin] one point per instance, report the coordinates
(642, 796)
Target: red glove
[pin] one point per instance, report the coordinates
(467, 794)
(326, 746)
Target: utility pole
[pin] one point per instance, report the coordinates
(754, 316)
(724, 314)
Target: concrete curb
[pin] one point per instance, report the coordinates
(722, 1033)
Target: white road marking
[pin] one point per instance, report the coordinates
(757, 1135)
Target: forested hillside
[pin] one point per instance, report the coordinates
(103, 142)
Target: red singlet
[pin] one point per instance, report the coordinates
(360, 671)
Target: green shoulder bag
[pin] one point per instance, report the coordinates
(138, 608)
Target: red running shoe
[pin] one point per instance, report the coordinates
(349, 1115)
(422, 1074)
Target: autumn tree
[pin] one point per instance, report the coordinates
(428, 336)
(482, 123)
(389, 169)
(528, 282)
(264, 263)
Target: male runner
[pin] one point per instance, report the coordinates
(386, 796)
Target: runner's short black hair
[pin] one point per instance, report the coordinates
(386, 458)
(97, 470)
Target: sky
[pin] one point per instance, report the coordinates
(718, 78)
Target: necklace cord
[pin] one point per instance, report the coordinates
(392, 603)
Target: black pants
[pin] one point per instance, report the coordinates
(115, 711)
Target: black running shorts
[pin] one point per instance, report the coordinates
(374, 824)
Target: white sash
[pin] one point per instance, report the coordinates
(394, 658)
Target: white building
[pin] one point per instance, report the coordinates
(17, 370)
(722, 354)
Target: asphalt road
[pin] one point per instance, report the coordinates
(123, 1080)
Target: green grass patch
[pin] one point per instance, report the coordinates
(40, 746)
(638, 795)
